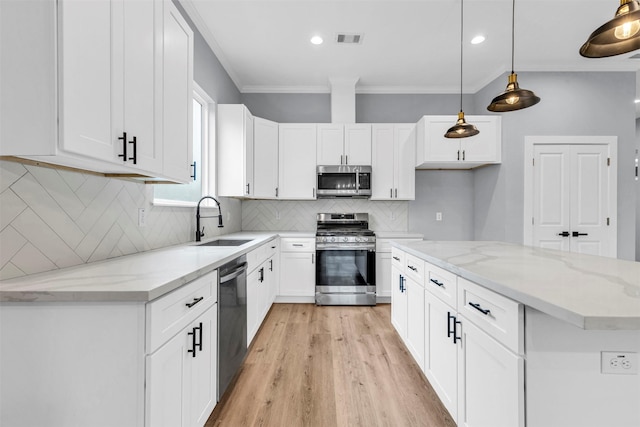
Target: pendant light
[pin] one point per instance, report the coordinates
(620, 35)
(513, 98)
(461, 129)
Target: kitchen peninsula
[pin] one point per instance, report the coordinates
(516, 315)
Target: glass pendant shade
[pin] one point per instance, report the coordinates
(513, 98)
(461, 129)
(618, 36)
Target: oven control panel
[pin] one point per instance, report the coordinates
(345, 239)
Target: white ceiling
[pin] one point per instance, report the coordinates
(408, 47)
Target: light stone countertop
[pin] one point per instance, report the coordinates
(398, 235)
(588, 291)
(139, 277)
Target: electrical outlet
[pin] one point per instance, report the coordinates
(621, 363)
(438, 216)
(142, 217)
(277, 214)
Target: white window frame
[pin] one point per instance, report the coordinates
(207, 168)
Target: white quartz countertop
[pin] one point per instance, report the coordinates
(398, 235)
(588, 291)
(140, 277)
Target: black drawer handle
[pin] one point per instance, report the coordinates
(436, 282)
(564, 234)
(480, 309)
(576, 234)
(411, 267)
(396, 258)
(194, 302)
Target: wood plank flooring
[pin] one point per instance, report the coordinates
(329, 366)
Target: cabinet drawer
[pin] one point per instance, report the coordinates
(415, 268)
(498, 316)
(441, 283)
(298, 245)
(170, 313)
(398, 258)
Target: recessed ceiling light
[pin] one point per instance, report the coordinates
(637, 101)
(316, 40)
(477, 39)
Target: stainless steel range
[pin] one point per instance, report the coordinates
(346, 260)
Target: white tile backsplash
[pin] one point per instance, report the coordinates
(271, 215)
(52, 218)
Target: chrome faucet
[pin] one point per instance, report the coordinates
(199, 232)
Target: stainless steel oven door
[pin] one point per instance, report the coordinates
(345, 276)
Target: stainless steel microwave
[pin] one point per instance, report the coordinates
(344, 181)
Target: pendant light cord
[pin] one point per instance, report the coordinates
(513, 32)
(461, 44)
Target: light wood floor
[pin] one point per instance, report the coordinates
(329, 366)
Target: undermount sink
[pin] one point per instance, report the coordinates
(226, 242)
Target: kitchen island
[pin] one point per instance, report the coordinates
(566, 325)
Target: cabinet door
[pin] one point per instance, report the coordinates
(264, 291)
(415, 320)
(91, 35)
(404, 163)
(143, 28)
(253, 284)
(436, 147)
(383, 274)
(235, 150)
(201, 370)
(398, 302)
(265, 164)
(484, 147)
(357, 144)
(297, 161)
(441, 354)
(330, 147)
(297, 274)
(491, 382)
(177, 94)
(166, 385)
(382, 161)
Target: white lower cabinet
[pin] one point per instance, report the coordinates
(261, 281)
(383, 266)
(297, 269)
(472, 341)
(181, 385)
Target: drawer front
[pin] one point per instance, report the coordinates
(272, 248)
(498, 316)
(398, 258)
(441, 283)
(415, 268)
(170, 313)
(298, 245)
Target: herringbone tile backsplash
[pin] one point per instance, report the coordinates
(51, 219)
(292, 215)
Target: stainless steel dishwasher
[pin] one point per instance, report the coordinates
(232, 320)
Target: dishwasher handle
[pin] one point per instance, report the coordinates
(242, 268)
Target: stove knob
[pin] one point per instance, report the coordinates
(346, 239)
(333, 239)
(358, 239)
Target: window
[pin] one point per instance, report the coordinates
(203, 158)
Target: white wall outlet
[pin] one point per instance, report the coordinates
(618, 362)
(142, 217)
(438, 216)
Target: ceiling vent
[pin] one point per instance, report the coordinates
(349, 38)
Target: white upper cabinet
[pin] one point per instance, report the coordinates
(348, 144)
(434, 151)
(235, 151)
(95, 71)
(265, 164)
(177, 91)
(297, 161)
(393, 161)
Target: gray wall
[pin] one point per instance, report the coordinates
(290, 107)
(637, 193)
(572, 104)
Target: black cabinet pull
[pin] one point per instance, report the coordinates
(411, 267)
(276, 191)
(458, 154)
(576, 234)
(192, 350)
(123, 138)
(248, 187)
(449, 317)
(200, 337)
(464, 155)
(436, 282)
(564, 234)
(391, 193)
(480, 309)
(193, 165)
(396, 258)
(456, 338)
(261, 277)
(135, 150)
(271, 263)
(195, 301)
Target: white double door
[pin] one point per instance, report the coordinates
(573, 201)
